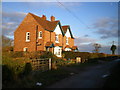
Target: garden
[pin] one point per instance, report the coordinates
(17, 70)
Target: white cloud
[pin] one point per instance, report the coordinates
(84, 40)
(106, 27)
(85, 44)
(10, 21)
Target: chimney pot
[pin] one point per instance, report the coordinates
(44, 17)
(52, 18)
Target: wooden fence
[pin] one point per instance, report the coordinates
(41, 64)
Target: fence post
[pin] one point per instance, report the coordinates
(50, 63)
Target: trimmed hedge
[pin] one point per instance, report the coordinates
(88, 56)
(72, 55)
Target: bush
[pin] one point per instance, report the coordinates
(49, 55)
(7, 49)
(73, 55)
(32, 55)
(17, 54)
(7, 74)
(27, 69)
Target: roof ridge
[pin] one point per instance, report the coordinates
(41, 17)
(47, 25)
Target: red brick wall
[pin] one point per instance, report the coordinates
(41, 40)
(70, 41)
(29, 25)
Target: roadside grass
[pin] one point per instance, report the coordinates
(46, 78)
(50, 77)
(15, 78)
(113, 81)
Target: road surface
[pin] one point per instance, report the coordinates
(91, 77)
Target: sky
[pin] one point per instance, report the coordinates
(90, 22)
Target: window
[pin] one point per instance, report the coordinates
(47, 49)
(40, 34)
(59, 51)
(56, 38)
(27, 36)
(67, 40)
(25, 49)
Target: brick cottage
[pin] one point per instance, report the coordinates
(38, 34)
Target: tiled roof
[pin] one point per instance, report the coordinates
(48, 44)
(57, 44)
(67, 46)
(74, 47)
(47, 25)
(50, 25)
(65, 28)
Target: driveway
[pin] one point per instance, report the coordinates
(92, 77)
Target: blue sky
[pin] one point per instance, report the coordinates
(90, 22)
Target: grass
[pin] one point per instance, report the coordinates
(46, 78)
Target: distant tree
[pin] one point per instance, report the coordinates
(6, 41)
(97, 47)
(113, 48)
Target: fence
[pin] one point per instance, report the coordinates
(41, 64)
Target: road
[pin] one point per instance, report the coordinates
(91, 77)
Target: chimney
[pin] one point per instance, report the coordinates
(43, 17)
(52, 18)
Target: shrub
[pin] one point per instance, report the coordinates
(27, 69)
(17, 54)
(7, 74)
(32, 55)
(73, 55)
(49, 55)
(7, 49)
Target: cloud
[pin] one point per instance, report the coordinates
(89, 48)
(106, 27)
(86, 35)
(85, 44)
(10, 21)
(84, 40)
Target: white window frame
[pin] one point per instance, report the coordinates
(40, 35)
(27, 35)
(57, 38)
(58, 51)
(67, 49)
(25, 49)
(67, 40)
(47, 49)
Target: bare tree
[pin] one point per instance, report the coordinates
(97, 47)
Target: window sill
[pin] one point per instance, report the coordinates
(40, 38)
(27, 41)
(67, 43)
(56, 41)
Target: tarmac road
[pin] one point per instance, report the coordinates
(91, 77)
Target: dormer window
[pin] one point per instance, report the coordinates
(67, 40)
(40, 35)
(57, 38)
(27, 36)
